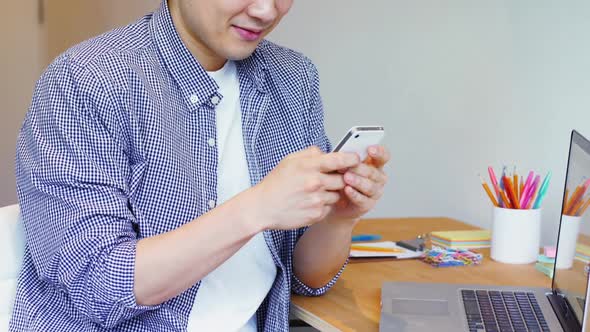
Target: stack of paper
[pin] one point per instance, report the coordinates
(461, 239)
(545, 264)
(583, 253)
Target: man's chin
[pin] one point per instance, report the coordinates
(241, 53)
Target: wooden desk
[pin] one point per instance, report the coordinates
(353, 303)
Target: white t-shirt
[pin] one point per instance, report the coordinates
(229, 296)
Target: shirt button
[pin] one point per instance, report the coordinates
(211, 204)
(215, 100)
(211, 142)
(194, 99)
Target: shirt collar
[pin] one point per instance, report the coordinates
(187, 71)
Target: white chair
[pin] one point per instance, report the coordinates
(12, 245)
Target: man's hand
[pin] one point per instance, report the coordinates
(301, 190)
(364, 186)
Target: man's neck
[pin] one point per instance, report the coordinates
(207, 58)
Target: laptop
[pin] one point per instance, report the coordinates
(459, 307)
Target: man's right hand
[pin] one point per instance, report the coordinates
(300, 191)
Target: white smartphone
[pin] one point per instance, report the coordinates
(359, 139)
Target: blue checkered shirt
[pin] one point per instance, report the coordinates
(115, 149)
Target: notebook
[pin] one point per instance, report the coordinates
(582, 253)
(468, 239)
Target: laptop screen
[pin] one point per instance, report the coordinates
(570, 278)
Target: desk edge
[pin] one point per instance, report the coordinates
(311, 319)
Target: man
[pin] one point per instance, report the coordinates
(167, 172)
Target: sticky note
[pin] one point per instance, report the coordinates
(550, 252)
(547, 269)
(545, 259)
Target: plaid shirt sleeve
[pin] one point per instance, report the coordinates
(318, 138)
(73, 172)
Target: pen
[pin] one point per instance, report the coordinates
(542, 191)
(376, 249)
(527, 184)
(525, 202)
(533, 197)
(365, 237)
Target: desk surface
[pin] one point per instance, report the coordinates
(353, 303)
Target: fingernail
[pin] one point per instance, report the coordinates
(373, 151)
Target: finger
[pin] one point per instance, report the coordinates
(364, 185)
(333, 181)
(378, 194)
(369, 171)
(335, 161)
(321, 199)
(331, 197)
(379, 155)
(363, 202)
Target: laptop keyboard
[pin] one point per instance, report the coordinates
(499, 311)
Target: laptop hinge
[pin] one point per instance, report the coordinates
(564, 313)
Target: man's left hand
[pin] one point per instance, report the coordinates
(364, 186)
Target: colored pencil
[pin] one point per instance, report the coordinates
(502, 182)
(488, 191)
(568, 204)
(565, 197)
(510, 191)
(515, 184)
(576, 207)
(518, 192)
(495, 184)
(585, 207)
(520, 189)
(505, 200)
(578, 194)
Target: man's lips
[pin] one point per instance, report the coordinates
(248, 34)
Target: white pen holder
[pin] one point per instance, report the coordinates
(568, 236)
(516, 235)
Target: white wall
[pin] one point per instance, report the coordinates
(90, 18)
(459, 85)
